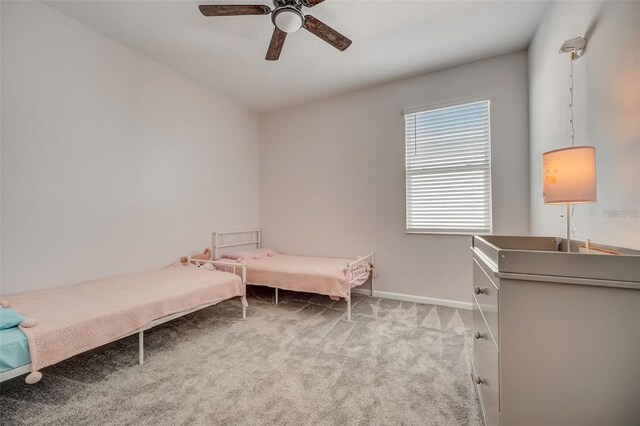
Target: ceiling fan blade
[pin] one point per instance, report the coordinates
(234, 10)
(311, 3)
(275, 47)
(326, 33)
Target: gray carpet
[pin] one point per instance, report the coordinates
(298, 363)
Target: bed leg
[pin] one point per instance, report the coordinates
(276, 296)
(244, 312)
(349, 309)
(141, 347)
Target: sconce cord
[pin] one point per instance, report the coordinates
(573, 129)
(573, 135)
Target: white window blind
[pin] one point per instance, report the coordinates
(448, 166)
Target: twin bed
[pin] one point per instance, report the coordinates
(333, 277)
(77, 318)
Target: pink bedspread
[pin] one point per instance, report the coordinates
(81, 317)
(321, 275)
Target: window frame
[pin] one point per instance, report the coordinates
(434, 107)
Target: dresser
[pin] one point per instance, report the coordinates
(556, 334)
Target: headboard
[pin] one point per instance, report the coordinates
(222, 240)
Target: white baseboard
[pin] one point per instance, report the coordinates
(421, 299)
(363, 291)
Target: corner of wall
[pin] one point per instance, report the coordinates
(607, 86)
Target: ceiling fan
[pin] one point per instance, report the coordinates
(287, 17)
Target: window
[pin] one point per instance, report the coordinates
(448, 166)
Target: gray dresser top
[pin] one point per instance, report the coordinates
(533, 257)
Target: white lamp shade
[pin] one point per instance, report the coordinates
(569, 175)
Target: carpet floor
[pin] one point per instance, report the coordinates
(297, 363)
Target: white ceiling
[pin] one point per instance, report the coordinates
(392, 39)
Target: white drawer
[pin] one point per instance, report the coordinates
(486, 369)
(486, 294)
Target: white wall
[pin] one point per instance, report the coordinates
(607, 114)
(111, 163)
(332, 175)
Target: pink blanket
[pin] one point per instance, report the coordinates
(84, 316)
(321, 275)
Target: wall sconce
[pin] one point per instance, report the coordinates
(569, 174)
(575, 46)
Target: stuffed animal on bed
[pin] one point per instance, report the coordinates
(206, 255)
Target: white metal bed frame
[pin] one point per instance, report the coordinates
(24, 369)
(255, 237)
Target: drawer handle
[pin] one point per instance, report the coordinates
(477, 380)
(478, 290)
(477, 335)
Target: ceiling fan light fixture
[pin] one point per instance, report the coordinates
(288, 19)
